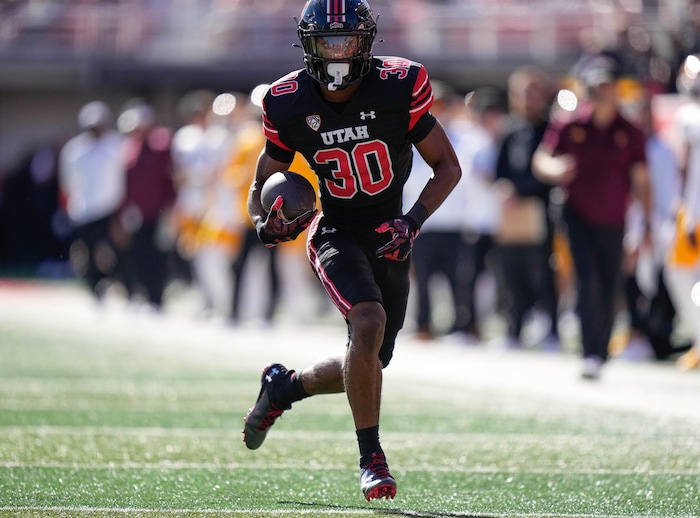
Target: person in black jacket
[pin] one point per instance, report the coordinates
(527, 272)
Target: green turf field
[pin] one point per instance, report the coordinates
(123, 424)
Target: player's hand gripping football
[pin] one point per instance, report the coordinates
(403, 232)
(275, 229)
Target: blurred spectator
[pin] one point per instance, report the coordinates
(34, 232)
(249, 143)
(440, 249)
(200, 149)
(599, 157)
(686, 40)
(476, 148)
(649, 305)
(93, 183)
(141, 227)
(285, 266)
(632, 53)
(683, 263)
(525, 253)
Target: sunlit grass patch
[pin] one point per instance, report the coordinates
(92, 425)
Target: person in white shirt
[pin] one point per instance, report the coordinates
(92, 181)
(439, 249)
(201, 147)
(477, 150)
(454, 241)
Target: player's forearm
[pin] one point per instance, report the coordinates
(255, 209)
(265, 167)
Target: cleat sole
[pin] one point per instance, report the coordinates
(386, 491)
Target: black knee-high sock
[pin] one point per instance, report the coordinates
(368, 439)
(290, 391)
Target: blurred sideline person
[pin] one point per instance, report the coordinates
(249, 143)
(650, 308)
(35, 231)
(525, 258)
(440, 248)
(93, 182)
(599, 157)
(683, 262)
(354, 117)
(200, 148)
(141, 224)
(282, 266)
(476, 146)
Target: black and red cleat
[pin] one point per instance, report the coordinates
(264, 413)
(375, 479)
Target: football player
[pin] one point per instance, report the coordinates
(355, 118)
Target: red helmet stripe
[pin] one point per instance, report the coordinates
(335, 10)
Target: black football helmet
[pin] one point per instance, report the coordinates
(336, 37)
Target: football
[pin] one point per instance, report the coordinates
(297, 192)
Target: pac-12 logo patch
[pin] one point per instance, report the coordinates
(314, 122)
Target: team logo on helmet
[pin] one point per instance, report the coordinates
(314, 122)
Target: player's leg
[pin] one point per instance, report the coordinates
(280, 387)
(324, 377)
(363, 386)
(348, 271)
(362, 371)
(393, 281)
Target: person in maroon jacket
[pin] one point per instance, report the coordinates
(599, 157)
(150, 194)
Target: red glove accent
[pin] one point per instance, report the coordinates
(403, 232)
(275, 229)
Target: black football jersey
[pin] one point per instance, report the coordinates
(360, 150)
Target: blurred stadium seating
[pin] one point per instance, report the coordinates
(137, 41)
(56, 54)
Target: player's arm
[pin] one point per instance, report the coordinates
(437, 151)
(263, 170)
(271, 227)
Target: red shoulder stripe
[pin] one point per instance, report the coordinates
(271, 132)
(421, 97)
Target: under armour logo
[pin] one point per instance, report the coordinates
(368, 115)
(326, 230)
(272, 373)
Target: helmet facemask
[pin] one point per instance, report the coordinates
(337, 49)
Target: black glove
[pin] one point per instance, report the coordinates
(403, 231)
(275, 229)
